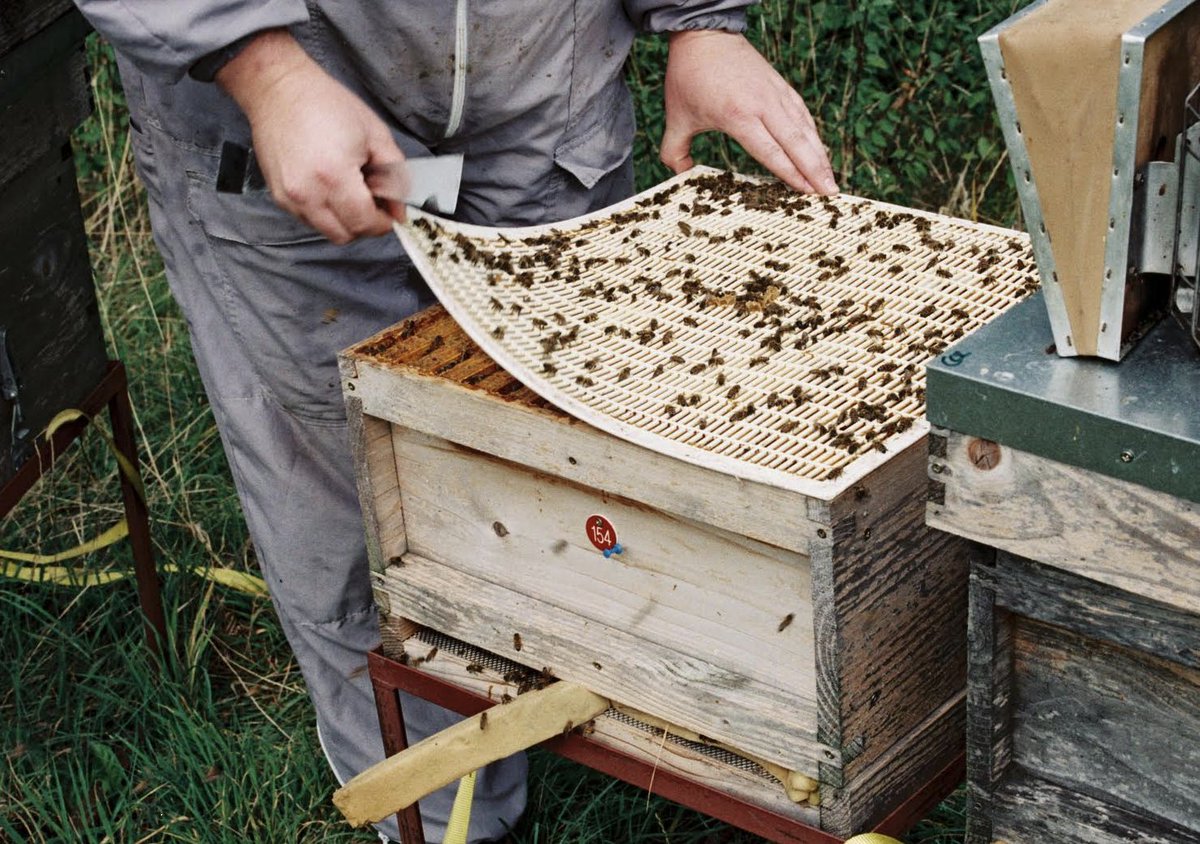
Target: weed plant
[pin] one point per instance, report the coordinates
(99, 745)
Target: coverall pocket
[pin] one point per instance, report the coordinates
(294, 299)
(145, 160)
(600, 144)
(251, 218)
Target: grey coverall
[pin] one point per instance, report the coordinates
(532, 95)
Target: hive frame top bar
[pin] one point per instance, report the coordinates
(1119, 252)
(508, 342)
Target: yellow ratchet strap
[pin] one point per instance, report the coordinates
(42, 568)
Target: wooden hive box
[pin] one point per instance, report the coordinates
(1084, 689)
(52, 354)
(821, 637)
(1083, 717)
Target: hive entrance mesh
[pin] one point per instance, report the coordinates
(728, 321)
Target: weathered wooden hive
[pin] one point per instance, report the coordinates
(775, 602)
(51, 346)
(1084, 634)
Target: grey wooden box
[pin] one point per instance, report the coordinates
(53, 344)
(1083, 714)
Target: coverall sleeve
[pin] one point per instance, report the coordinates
(677, 15)
(165, 39)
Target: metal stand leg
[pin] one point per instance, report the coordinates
(112, 391)
(395, 739)
(138, 518)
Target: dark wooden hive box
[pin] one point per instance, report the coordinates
(53, 345)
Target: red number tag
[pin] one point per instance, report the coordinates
(601, 533)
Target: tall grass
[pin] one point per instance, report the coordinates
(99, 746)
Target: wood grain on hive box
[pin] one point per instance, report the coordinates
(1084, 677)
(821, 635)
(1084, 711)
(1110, 530)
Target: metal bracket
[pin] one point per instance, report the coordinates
(1166, 212)
(10, 390)
(1186, 266)
(1155, 201)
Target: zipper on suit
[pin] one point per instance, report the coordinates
(458, 98)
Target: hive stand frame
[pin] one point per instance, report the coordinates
(389, 677)
(113, 392)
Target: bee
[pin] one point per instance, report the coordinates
(483, 720)
(623, 374)
(943, 273)
(517, 644)
(786, 622)
(498, 332)
(549, 368)
(739, 415)
(733, 392)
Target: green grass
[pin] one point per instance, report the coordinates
(98, 746)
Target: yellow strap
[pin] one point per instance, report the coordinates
(44, 571)
(460, 813)
(872, 838)
(114, 534)
(127, 468)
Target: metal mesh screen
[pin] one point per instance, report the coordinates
(730, 322)
(504, 667)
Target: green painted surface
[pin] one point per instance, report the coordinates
(1137, 420)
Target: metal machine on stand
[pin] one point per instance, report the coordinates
(1067, 440)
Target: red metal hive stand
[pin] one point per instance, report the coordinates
(113, 392)
(389, 677)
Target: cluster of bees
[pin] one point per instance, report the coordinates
(739, 305)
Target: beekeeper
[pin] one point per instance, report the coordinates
(274, 281)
